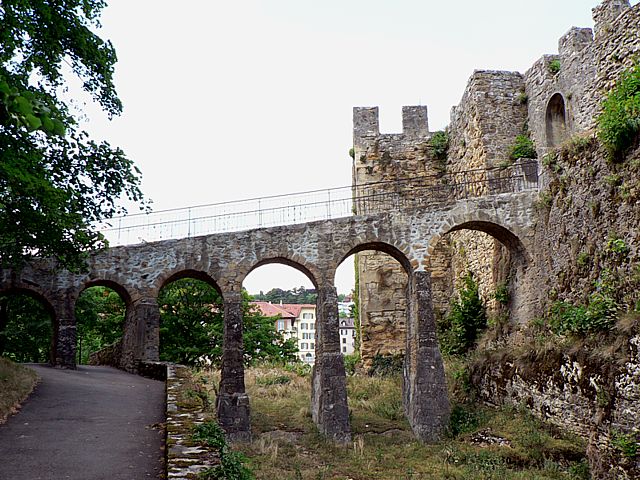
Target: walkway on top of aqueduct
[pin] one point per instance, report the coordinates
(404, 218)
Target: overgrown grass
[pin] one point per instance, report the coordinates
(287, 446)
(16, 383)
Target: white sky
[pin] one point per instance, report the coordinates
(227, 100)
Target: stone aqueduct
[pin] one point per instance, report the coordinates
(138, 272)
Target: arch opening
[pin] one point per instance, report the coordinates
(100, 312)
(28, 327)
(191, 309)
(476, 268)
(374, 307)
(286, 313)
(556, 121)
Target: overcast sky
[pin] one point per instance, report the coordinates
(226, 100)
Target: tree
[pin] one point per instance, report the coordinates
(54, 180)
(100, 314)
(25, 329)
(192, 326)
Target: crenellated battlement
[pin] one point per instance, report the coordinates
(366, 123)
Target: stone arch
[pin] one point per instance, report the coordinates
(507, 267)
(501, 233)
(48, 306)
(181, 273)
(114, 285)
(311, 272)
(127, 298)
(556, 120)
(379, 246)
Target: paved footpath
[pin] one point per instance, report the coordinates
(93, 423)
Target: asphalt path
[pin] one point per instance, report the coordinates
(92, 423)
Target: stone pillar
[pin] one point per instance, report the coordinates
(233, 402)
(426, 402)
(64, 335)
(141, 339)
(329, 408)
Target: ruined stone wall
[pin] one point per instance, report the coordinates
(485, 124)
(483, 127)
(589, 66)
(590, 396)
(382, 280)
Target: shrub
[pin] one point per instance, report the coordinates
(351, 362)
(501, 295)
(386, 365)
(439, 143)
(522, 148)
(231, 465)
(554, 66)
(619, 122)
(626, 443)
(462, 420)
(599, 315)
(466, 320)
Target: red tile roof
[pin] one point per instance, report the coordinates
(285, 310)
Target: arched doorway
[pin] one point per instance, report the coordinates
(28, 329)
(100, 313)
(556, 121)
(191, 319)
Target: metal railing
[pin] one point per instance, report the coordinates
(278, 210)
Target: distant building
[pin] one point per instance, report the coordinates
(296, 321)
(344, 308)
(347, 336)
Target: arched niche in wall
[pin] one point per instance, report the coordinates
(556, 121)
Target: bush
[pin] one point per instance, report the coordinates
(599, 315)
(554, 66)
(522, 148)
(386, 365)
(231, 465)
(619, 122)
(351, 362)
(467, 319)
(440, 144)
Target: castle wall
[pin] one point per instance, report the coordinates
(382, 280)
(483, 127)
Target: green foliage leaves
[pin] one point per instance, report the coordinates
(619, 122)
(192, 327)
(439, 144)
(296, 296)
(231, 466)
(55, 181)
(554, 66)
(25, 329)
(523, 147)
(466, 320)
(100, 314)
(386, 365)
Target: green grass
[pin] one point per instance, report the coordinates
(16, 383)
(287, 445)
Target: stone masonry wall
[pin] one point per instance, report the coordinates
(483, 127)
(382, 280)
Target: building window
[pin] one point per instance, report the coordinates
(312, 326)
(280, 325)
(313, 345)
(344, 349)
(304, 326)
(304, 346)
(307, 316)
(344, 340)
